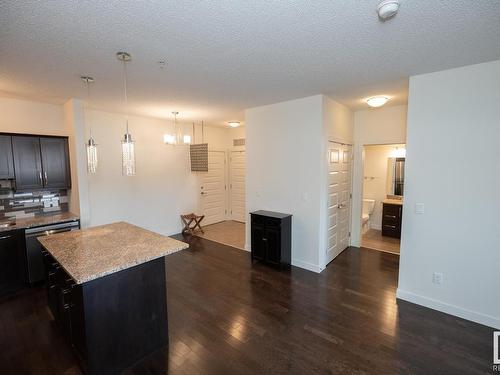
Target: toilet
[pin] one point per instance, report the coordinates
(368, 206)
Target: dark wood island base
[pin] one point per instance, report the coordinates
(113, 321)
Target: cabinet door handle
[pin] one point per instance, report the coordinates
(393, 216)
(5, 237)
(390, 226)
(40, 176)
(46, 179)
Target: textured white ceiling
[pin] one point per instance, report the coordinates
(225, 56)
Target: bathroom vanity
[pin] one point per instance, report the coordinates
(392, 213)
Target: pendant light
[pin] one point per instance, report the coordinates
(91, 146)
(128, 145)
(177, 138)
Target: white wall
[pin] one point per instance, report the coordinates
(24, 116)
(287, 167)
(375, 182)
(283, 149)
(452, 167)
(164, 186)
(386, 125)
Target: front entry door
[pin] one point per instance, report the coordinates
(213, 189)
(339, 198)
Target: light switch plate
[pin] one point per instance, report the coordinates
(419, 208)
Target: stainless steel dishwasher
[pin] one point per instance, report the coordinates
(34, 248)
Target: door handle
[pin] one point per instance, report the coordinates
(341, 205)
(46, 179)
(5, 237)
(40, 176)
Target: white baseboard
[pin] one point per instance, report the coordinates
(247, 247)
(306, 265)
(473, 316)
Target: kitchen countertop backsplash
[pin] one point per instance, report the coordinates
(26, 204)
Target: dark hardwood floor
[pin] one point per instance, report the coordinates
(228, 317)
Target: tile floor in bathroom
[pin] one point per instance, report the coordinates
(373, 239)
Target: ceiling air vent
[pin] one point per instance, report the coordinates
(239, 142)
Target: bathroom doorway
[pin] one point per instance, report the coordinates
(383, 193)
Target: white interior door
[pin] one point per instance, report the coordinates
(213, 189)
(339, 198)
(237, 185)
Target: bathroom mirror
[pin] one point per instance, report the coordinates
(395, 176)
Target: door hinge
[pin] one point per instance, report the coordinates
(349, 234)
(225, 211)
(225, 187)
(350, 195)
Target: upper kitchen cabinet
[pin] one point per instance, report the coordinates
(27, 162)
(6, 159)
(41, 162)
(55, 162)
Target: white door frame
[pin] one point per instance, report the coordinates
(200, 183)
(229, 183)
(325, 208)
(357, 189)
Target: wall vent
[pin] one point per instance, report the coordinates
(239, 142)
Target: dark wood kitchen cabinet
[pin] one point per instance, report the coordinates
(12, 261)
(55, 162)
(113, 321)
(6, 159)
(392, 215)
(27, 162)
(271, 236)
(41, 162)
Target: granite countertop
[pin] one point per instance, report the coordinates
(39, 221)
(95, 252)
(393, 201)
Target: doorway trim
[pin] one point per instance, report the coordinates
(357, 188)
(324, 206)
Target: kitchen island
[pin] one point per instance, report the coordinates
(106, 288)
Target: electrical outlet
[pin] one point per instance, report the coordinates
(437, 278)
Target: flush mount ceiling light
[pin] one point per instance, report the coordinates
(387, 9)
(90, 145)
(376, 101)
(128, 145)
(233, 124)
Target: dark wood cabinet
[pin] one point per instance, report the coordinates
(271, 237)
(113, 321)
(27, 162)
(41, 162)
(6, 158)
(55, 162)
(12, 261)
(392, 215)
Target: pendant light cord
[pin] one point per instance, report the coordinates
(87, 82)
(125, 90)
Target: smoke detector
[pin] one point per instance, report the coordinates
(387, 9)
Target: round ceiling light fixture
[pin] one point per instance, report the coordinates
(376, 101)
(233, 124)
(387, 9)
